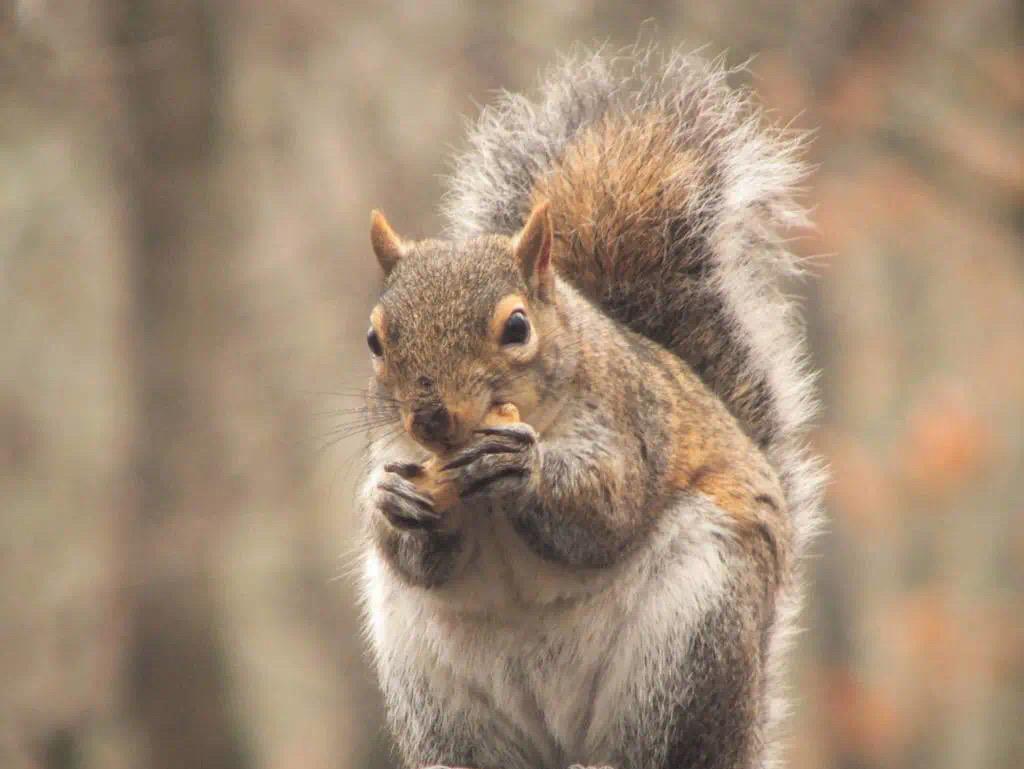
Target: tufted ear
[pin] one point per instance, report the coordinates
(386, 244)
(532, 248)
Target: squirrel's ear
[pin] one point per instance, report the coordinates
(532, 247)
(386, 244)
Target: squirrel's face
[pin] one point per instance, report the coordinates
(463, 326)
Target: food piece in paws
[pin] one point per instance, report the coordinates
(430, 480)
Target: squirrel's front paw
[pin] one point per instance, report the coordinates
(501, 461)
(406, 506)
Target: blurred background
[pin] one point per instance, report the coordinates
(184, 285)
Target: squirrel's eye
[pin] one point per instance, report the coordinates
(517, 328)
(373, 342)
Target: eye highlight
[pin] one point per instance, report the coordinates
(517, 328)
(373, 342)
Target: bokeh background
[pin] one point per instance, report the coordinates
(184, 284)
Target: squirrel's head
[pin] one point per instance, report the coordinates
(462, 326)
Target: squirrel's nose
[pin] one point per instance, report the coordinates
(432, 423)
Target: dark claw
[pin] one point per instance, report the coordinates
(407, 470)
(482, 483)
(410, 496)
(474, 453)
(398, 517)
(402, 503)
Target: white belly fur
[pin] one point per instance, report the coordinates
(549, 650)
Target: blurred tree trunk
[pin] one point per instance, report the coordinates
(175, 671)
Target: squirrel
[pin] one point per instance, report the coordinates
(612, 572)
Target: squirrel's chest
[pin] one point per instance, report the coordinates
(526, 651)
(545, 679)
(544, 684)
(536, 638)
(500, 575)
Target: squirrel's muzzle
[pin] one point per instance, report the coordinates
(433, 425)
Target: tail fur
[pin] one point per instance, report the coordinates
(670, 195)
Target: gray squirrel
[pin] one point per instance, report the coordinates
(607, 577)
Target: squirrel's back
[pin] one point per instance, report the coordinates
(670, 197)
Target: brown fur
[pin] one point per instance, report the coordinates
(605, 196)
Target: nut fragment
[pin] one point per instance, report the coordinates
(501, 414)
(442, 492)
